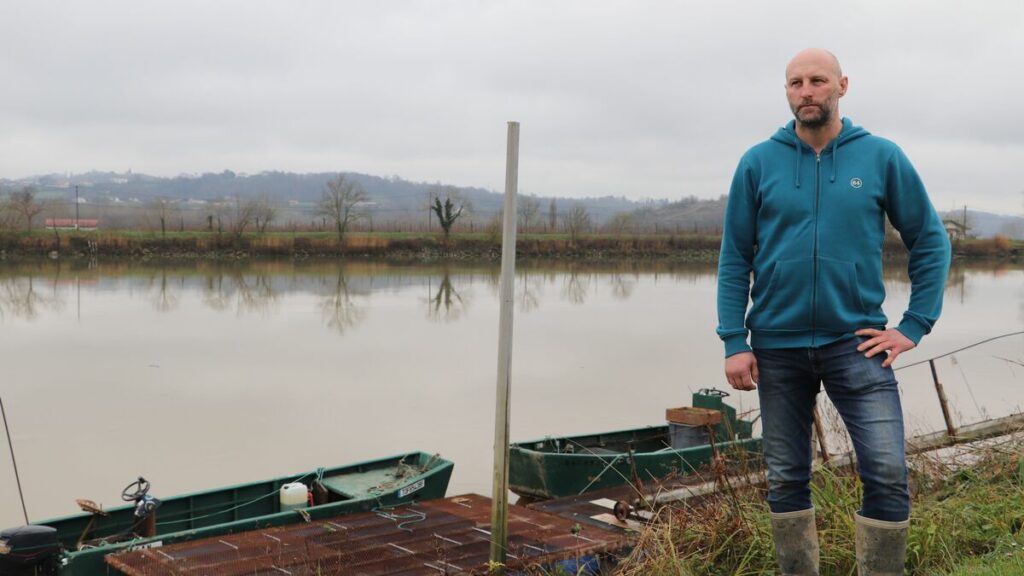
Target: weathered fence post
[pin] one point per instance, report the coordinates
(943, 401)
(819, 431)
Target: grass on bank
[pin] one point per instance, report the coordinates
(472, 244)
(486, 242)
(963, 522)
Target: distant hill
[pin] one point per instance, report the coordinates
(690, 214)
(394, 198)
(391, 197)
(988, 225)
(697, 215)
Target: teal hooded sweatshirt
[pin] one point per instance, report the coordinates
(803, 241)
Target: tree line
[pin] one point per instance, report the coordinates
(343, 206)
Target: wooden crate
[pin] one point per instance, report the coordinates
(691, 416)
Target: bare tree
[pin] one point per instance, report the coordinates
(8, 218)
(218, 212)
(265, 214)
(552, 216)
(339, 203)
(494, 226)
(529, 208)
(24, 205)
(245, 214)
(576, 221)
(622, 223)
(162, 210)
(450, 210)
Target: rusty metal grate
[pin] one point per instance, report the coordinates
(449, 536)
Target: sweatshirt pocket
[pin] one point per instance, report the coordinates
(839, 307)
(785, 304)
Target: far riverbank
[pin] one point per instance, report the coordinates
(417, 247)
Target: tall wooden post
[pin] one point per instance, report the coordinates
(819, 431)
(950, 428)
(499, 492)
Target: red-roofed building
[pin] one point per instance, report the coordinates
(70, 224)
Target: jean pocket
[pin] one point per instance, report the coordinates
(838, 305)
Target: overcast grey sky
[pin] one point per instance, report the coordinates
(631, 98)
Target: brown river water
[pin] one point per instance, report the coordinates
(203, 374)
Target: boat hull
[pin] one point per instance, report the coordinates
(354, 488)
(560, 467)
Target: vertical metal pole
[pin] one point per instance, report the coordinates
(10, 443)
(499, 492)
(950, 429)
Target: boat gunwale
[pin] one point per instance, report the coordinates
(283, 478)
(521, 446)
(440, 470)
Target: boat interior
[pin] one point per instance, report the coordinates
(97, 527)
(651, 439)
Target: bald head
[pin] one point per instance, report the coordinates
(814, 85)
(815, 57)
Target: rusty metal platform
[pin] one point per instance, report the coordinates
(597, 508)
(450, 536)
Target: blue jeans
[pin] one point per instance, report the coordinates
(864, 394)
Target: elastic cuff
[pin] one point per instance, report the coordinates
(881, 523)
(912, 329)
(735, 344)
(793, 514)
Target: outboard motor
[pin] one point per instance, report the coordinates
(29, 551)
(146, 505)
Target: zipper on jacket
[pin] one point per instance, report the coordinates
(814, 261)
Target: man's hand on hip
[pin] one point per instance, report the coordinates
(741, 371)
(891, 341)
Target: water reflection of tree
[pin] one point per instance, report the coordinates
(576, 287)
(215, 293)
(163, 299)
(446, 304)
(248, 294)
(256, 294)
(20, 299)
(530, 292)
(338, 309)
(956, 283)
(623, 285)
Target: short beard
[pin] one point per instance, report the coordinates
(822, 119)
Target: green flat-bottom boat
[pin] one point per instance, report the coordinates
(574, 465)
(75, 545)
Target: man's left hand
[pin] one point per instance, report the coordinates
(891, 341)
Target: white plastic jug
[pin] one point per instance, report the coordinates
(293, 496)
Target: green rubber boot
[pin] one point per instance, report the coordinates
(881, 546)
(796, 542)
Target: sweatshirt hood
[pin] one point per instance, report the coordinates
(787, 135)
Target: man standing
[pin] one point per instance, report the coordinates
(803, 238)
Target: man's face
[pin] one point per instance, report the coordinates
(813, 89)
